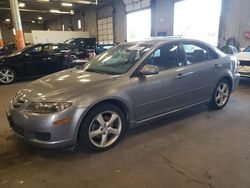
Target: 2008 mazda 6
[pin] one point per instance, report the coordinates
(125, 86)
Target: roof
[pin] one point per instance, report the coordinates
(157, 40)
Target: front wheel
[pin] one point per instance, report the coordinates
(103, 128)
(7, 75)
(220, 95)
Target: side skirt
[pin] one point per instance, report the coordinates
(141, 122)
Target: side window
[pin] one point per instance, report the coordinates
(55, 49)
(46, 49)
(157, 53)
(36, 50)
(197, 54)
(166, 57)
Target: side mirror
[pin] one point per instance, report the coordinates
(149, 70)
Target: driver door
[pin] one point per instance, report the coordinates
(163, 92)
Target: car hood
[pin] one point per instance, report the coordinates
(243, 56)
(65, 85)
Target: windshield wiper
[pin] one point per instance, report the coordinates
(101, 72)
(95, 70)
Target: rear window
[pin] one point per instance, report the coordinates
(196, 53)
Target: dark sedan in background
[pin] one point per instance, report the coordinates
(36, 60)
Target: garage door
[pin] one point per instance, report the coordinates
(105, 24)
(133, 5)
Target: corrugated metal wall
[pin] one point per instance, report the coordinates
(235, 21)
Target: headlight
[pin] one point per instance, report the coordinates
(47, 107)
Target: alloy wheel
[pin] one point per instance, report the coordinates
(222, 94)
(6, 76)
(105, 129)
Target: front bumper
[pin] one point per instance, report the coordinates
(39, 130)
(244, 71)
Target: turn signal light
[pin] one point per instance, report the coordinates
(62, 121)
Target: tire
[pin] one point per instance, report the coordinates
(220, 96)
(102, 128)
(7, 75)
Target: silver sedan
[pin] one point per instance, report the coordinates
(125, 86)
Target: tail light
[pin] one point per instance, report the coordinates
(235, 63)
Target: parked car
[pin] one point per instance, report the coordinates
(244, 58)
(86, 43)
(32, 61)
(125, 86)
(78, 53)
(89, 44)
(7, 49)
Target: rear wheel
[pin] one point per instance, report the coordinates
(103, 128)
(7, 75)
(220, 95)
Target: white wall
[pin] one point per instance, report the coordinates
(28, 38)
(40, 36)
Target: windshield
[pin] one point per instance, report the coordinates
(117, 60)
(247, 49)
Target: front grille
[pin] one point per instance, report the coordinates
(245, 63)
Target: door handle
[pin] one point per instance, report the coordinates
(181, 75)
(217, 66)
(189, 73)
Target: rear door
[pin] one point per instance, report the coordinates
(201, 71)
